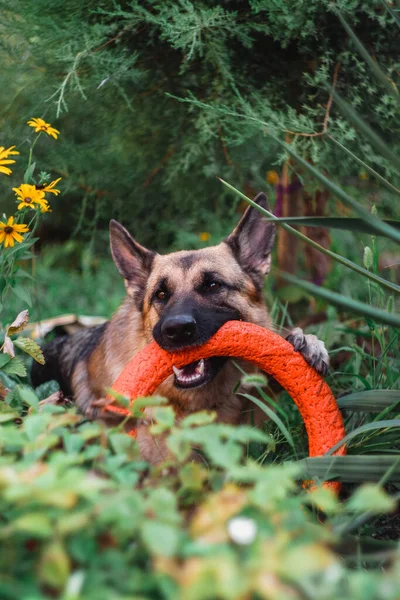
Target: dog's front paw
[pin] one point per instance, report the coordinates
(311, 348)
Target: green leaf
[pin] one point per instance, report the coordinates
(34, 425)
(15, 367)
(164, 417)
(373, 401)
(386, 424)
(198, 419)
(22, 294)
(30, 347)
(161, 539)
(4, 359)
(371, 498)
(352, 468)
(348, 303)
(54, 567)
(37, 524)
(255, 380)
(29, 173)
(273, 416)
(28, 396)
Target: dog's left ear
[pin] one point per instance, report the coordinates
(132, 260)
(253, 238)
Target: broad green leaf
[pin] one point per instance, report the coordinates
(29, 173)
(54, 566)
(377, 314)
(36, 524)
(30, 347)
(352, 468)
(22, 294)
(373, 401)
(199, 418)
(344, 261)
(4, 359)
(15, 367)
(371, 498)
(28, 396)
(164, 417)
(161, 539)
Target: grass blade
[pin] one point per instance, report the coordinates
(272, 416)
(361, 308)
(342, 223)
(360, 124)
(344, 261)
(378, 225)
(373, 401)
(388, 423)
(354, 469)
(370, 170)
(376, 70)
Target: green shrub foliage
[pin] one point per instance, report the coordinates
(109, 75)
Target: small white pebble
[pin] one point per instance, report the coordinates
(242, 530)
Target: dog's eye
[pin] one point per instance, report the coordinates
(161, 295)
(212, 286)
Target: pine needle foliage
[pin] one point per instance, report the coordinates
(111, 73)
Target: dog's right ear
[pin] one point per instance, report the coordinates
(132, 260)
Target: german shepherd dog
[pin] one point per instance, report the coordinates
(180, 300)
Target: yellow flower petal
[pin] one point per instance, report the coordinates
(9, 241)
(17, 237)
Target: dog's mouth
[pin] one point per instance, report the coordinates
(198, 373)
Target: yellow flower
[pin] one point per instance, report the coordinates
(204, 236)
(46, 208)
(272, 177)
(49, 187)
(11, 231)
(28, 196)
(40, 125)
(4, 154)
(363, 175)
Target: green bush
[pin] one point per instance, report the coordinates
(132, 151)
(84, 518)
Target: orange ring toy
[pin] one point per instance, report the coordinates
(265, 349)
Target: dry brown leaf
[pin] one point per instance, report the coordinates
(8, 346)
(19, 323)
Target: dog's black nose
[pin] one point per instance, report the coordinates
(179, 329)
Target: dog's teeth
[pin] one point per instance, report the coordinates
(200, 367)
(178, 372)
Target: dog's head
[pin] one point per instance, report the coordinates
(185, 297)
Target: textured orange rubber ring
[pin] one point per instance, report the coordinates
(265, 349)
